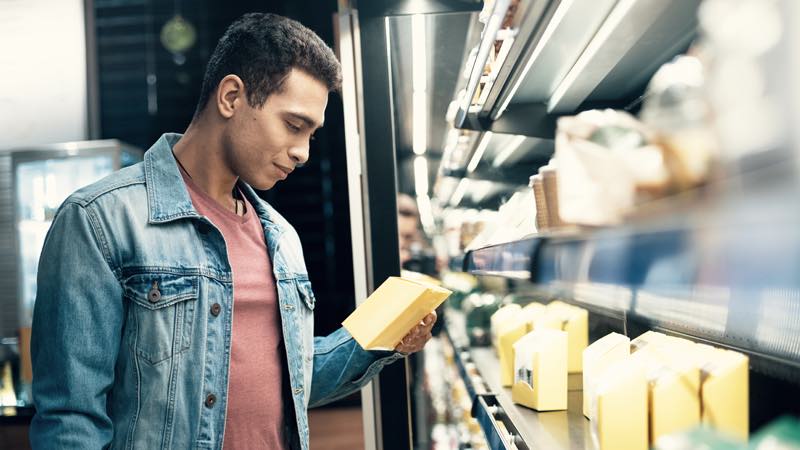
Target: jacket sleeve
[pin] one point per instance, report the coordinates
(77, 323)
(342, 367)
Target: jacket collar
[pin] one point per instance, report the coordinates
(167, 196)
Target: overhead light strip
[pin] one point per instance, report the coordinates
(476, 157)
(508, 151)
(419, 71)
(552, 26)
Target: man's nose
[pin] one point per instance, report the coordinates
(299, 154)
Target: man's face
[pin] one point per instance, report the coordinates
(264, 145)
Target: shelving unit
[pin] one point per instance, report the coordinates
(504, 422)
(717, 265)
(689, 266)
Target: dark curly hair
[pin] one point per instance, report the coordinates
(261, 49)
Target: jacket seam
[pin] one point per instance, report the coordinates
(91, 198)
(101, 239)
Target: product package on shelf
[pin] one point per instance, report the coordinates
(673, 389)
(605, 160)
(598, 357)
(618, 407)
(645, 339)
(392, 311)
(675, 107)
(724, 391)
(503, 314)
(511, 329)
(575, 321)
(540, 370)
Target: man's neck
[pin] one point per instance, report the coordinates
(201, 154)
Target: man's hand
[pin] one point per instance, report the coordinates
(416, 339)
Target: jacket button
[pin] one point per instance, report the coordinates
(216, 309)
(211, 399)
(154, 295)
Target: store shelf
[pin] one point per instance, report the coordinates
(511, 260)
(539, 430)
(569, 56)
(502, 421)
(692, 265)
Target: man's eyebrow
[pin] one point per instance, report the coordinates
(308, 120)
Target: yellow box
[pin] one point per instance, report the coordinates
(599, 356)
(573, 320)
(540, 370)
(499, 317)
(392, 311)
(645, 339)
(619, 407)
(508, 332)
(673, 389)
(533, 311)
(724, 391)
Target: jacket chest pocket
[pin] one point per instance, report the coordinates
(162, 310)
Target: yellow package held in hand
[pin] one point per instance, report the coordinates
(540, 370)
(392, 311)
(597, 357)
(618, 407)
(573, 320)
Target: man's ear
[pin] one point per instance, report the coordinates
(230, 95)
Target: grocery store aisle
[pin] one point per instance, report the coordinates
(336, 428)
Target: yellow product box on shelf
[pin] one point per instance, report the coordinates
(573, 320)
(540, 370)
(645, 339)
(599, 356)
(392, 311)
(618, 407)
(724, 390)
(499, 317)
(508, 332)
(673, 389)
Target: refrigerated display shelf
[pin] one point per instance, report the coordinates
(507, 425)
(693, 265)
(539, 430)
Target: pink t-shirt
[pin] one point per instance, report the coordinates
(255, 405)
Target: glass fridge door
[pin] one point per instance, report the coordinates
(41, 186)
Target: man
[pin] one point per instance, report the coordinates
(135, 341)
(407, 226)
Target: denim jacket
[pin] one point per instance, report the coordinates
(126, 350)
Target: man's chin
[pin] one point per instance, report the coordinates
(261, 185)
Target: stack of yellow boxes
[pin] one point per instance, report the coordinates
(666, 385)
(535, 368)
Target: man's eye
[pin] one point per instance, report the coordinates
(292, 127)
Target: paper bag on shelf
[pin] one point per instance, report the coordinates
(597, 358)
(540, 370)
(392, 311)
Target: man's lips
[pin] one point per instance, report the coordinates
(286, 171)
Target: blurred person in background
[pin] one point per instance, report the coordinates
(134, 340)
